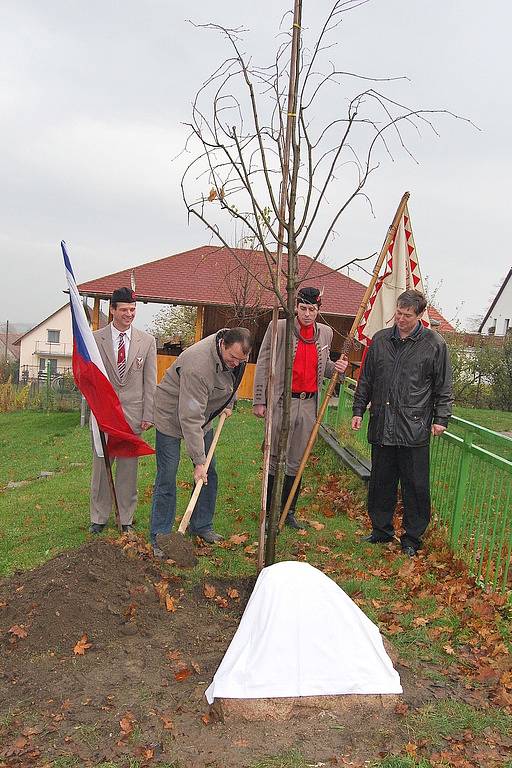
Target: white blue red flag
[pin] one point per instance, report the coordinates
(92, 380)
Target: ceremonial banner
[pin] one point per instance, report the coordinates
(92, 381)
(401, 272)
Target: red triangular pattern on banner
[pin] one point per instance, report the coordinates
(401, 270)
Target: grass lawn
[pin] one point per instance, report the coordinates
(440, 625)
(499, 421)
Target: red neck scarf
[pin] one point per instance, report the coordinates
(305, 364)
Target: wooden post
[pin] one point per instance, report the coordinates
(96, 314)
(334, 380)
(199, 324)
(266, 550)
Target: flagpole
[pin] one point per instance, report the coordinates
(108, 468)
(348, 343)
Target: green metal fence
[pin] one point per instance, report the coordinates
(471, 485)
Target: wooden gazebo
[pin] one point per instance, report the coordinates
(228, 287)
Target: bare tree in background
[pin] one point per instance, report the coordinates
(258, 138)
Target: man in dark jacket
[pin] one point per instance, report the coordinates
(407, 380)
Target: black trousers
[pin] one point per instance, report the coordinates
(393, 464)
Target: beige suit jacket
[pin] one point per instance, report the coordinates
(325, 365)
(136, 390)
(193, 388)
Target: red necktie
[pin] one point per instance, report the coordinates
(121, 356)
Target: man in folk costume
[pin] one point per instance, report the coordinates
(311, 363)
(129, 356)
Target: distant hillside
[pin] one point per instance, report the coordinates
(16, 329)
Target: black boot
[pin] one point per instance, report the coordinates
(291, 521)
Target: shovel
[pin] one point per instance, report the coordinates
(174, 545)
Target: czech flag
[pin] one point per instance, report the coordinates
(92, 381)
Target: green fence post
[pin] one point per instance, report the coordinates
(341, 403)
(460, 488)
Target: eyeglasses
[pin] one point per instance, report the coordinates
(233, 358)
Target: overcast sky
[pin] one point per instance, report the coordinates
(93, 99)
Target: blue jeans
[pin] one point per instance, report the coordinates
(163, 510)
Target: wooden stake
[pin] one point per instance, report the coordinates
(290, 122)
(334, 380)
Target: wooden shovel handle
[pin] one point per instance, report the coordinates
(197, 490)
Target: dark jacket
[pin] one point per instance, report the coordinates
(408, 383)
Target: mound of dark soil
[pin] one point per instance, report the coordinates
(105, 655)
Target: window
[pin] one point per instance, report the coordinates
(53, 337)
(507, 326)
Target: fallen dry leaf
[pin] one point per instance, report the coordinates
(82, 646)
(18, 630)
(126, 724)
(394, 629)
(449, 650)
(170, 603)
(209, 591)
(182, 674)
(195, 666)
(174, 655)
(316, 525)
(238, 538)
(222, 601)
(167, 722)
(161, 588)
(411, 749)
(205, 719)
(232, 593)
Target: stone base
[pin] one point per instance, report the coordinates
(300, 707)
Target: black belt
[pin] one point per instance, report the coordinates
(303, 395)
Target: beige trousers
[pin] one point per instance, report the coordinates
(302, 418)
(125, 483)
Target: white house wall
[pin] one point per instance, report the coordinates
(501, 312)
(35, 345)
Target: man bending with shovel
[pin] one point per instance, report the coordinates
(311, 362)
(198, 386)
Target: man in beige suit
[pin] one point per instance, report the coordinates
(311, 362)
(129, 356)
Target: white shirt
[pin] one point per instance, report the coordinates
(115, 340)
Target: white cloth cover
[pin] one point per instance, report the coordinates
(301, 635)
